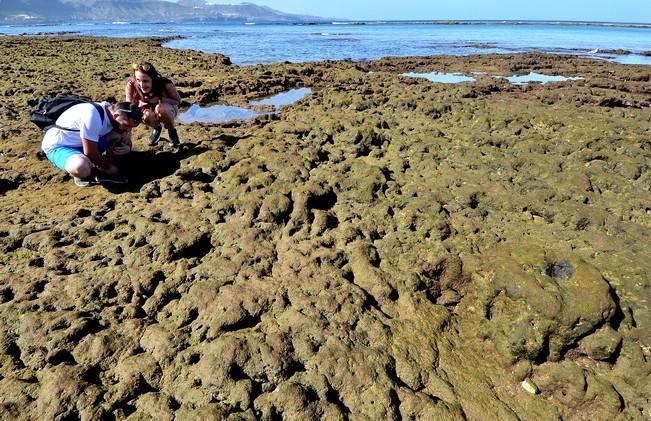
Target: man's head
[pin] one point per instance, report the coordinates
(126, 114)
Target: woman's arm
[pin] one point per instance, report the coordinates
(171, 95)
(130, 92)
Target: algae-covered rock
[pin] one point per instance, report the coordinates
(296, 401)
(385, 248)
(576, 392)
(602, 344)
(64, 392)
(544, 301)
(564, 381)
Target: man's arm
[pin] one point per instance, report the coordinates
(102, 162)
(119, 142)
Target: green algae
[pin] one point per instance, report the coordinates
(383, 249)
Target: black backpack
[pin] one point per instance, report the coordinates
(48, 110)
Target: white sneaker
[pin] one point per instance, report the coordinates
(85, 182)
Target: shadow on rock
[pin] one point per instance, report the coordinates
(142, 167)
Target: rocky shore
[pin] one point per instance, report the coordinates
(386, 248)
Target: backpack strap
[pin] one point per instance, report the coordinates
(99, 109)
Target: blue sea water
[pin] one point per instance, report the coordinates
(254, 44)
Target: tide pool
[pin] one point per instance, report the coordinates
(538, 78)
(441, 77)
(631, 59)
(532, 77)
(216, 114)
(284, 98)
(225, 113)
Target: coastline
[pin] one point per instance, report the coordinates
(387, 247)
(365, 22)
(307, 43)
(494, 22)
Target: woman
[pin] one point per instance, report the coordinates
(158, 99)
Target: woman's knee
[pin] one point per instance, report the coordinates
(150, 118)
(167, 113)
(79, 165)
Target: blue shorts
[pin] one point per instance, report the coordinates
(60, 154)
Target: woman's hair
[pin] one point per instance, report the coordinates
(158, 81)
(127, 110)
(147, 68)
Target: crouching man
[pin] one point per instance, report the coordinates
(88, 136)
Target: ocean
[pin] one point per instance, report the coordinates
(250, 44)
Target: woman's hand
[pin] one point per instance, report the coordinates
(159, 109)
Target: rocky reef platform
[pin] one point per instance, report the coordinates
(386, 248)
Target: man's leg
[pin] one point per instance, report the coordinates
(79, 165)
(71, 160)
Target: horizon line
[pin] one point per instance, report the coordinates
(335, 21)
(505, 21)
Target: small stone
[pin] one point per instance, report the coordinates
(448, 297)
(529, 386)
(561, 270)
(521, 370)
(601, 345)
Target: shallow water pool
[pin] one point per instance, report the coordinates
(538, 78)
(226, 113)
(216, 114)
(442, 77)
(284, 98)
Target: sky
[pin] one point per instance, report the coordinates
(637, 11)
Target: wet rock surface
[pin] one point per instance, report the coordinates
(387, 248)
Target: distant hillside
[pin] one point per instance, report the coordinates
(70, 11)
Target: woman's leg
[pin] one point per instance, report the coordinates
(150, 118)
(166, 114)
